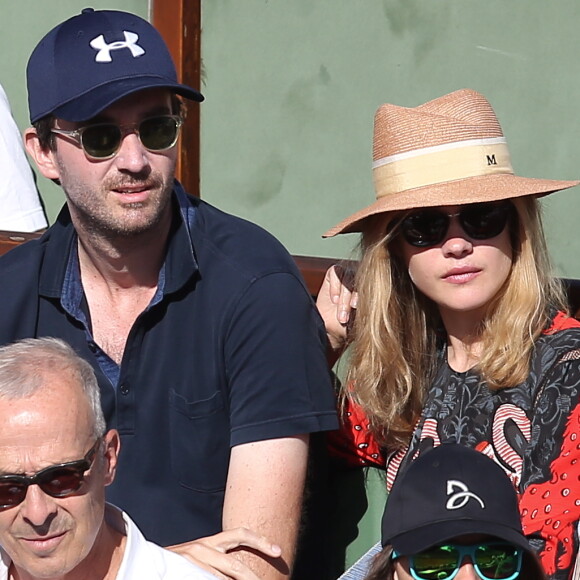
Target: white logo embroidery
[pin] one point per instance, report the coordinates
(104, 49)
(459, 499)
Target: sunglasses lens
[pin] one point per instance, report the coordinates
(159, 133)
(480, 221)
(498, 561)
(437, 563)
(425, 228)
(101, 141)
(484, 221)
(60, 481)
(12, 492)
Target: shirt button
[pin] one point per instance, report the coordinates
(124, 389)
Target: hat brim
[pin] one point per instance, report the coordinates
(90, 104)
(417, 540)
(470, 190)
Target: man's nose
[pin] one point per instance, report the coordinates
(37, 507)
(132, 155)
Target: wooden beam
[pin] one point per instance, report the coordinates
(179, 22)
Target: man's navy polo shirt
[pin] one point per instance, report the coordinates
(233, 352)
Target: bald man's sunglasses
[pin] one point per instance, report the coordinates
(102, 140)
(480, 221)
(57, 480)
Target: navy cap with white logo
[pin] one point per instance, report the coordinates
(447, 492)
(90, 61)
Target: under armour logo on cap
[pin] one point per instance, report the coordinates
(460, 498)
(104, 49)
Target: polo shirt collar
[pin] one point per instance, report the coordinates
(180, 261)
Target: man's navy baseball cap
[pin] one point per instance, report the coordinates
(88, 62)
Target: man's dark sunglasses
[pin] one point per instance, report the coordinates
(480, 221)
(103, 140)
(57, 480)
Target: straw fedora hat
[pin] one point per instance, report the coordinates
(449, 151)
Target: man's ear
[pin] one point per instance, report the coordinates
(44, 158)
(112, 445)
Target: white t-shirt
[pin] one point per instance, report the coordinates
(142, 560)
(20, 208)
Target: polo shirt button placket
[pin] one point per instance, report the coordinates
(125, 415)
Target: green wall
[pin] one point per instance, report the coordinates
(292, 87)
(24, 23)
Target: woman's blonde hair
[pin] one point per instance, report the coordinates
(394, 351)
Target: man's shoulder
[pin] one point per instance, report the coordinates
(56, 239)
(47, 253)
(148, 560)
(22, 261)
(238, 243)
(222, 227)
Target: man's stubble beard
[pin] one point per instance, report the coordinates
(96, 217)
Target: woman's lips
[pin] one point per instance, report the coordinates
(461, 275)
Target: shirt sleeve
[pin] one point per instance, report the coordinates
(20, 207)
(279, 381)
(549, 501)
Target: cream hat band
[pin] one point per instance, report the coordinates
(441, 163)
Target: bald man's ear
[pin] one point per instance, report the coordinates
(44, 158)
(112, 444)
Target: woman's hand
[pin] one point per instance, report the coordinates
(336, 303)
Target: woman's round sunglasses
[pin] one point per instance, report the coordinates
(428, 227)
(102, 140)
(57, 480)
(491, 560)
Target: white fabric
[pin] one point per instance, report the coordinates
(142, 560)
(20, 208)
(576, 574)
